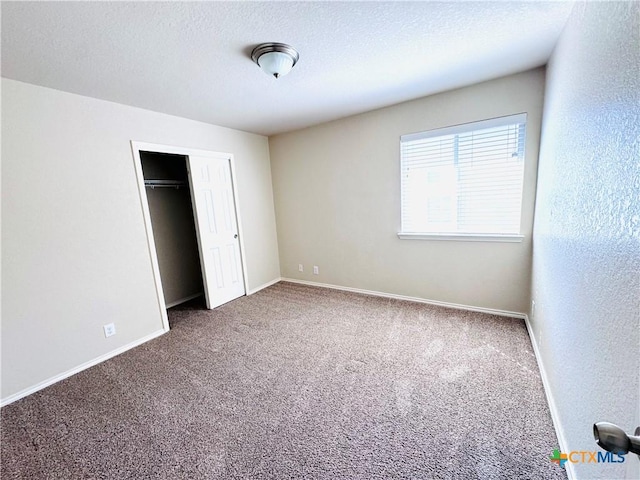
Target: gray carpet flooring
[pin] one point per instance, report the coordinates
(297, 382)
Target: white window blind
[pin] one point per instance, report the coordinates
(465, 179)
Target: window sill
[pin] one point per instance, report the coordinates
(463, 237)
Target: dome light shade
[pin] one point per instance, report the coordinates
(275, 59)
(276, 63)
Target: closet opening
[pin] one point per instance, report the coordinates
(166, 182)
(189, 206)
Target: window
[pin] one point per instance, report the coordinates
(464, 181)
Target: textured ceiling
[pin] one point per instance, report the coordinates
(192, 59)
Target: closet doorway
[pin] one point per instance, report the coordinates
(189, 204)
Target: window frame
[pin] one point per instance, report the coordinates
(453, 130)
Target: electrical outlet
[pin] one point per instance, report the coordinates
(109, 330)
(316, 270)
(300, 268)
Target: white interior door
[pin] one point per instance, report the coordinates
(217, 228)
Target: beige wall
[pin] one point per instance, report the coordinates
(74, 248)
(337, 196)
(586, 256)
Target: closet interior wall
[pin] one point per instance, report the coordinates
(174, 230)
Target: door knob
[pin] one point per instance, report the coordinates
(235, 236)
(613, 439)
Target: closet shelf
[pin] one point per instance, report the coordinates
(164, 183)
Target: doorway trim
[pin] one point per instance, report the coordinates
(136, 147)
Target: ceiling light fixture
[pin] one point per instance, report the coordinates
(275, 59)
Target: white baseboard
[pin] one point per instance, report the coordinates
(492, 311)
(79, 368)
(555, 417)
(262, 287)
(185, 299)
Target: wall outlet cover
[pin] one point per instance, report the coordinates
(109, 330)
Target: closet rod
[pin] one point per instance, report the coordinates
(164, 183)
